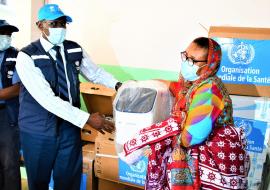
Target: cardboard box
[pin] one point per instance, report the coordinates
(245, 58)
(98, 98)
(110, 185)
(88, 167)
(88, 151)
(107, 161)
(89, 134)
(252, 113)
(254, 108)
(255, 175)
(266, 174)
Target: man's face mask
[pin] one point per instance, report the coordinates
(57, 35)
(5, 42)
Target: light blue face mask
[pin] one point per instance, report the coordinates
(189, 72)
(57, 35)
(5, 42)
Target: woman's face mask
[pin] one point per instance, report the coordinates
(5, 42)
(189, 72)
(191, 58)
(57, 35)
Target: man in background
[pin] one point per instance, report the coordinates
(10, 178)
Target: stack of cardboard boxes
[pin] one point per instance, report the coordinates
(100, 160)
(89, 178)
(244, 70)
(107, 165)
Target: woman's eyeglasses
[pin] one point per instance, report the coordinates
(190, 60)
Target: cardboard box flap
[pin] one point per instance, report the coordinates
(105, 146)
(239, 32)
(88, 133)
(96, 89)
(104, 184)
(98, 98)
(248, 90)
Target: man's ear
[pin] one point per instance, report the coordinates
(39, 25)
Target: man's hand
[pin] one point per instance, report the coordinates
(98, 122)
(10, 92)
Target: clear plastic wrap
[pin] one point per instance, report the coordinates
(139, 104)
(133, 102)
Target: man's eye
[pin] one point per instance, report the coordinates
(51, 24)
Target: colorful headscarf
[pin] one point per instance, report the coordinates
(213, 60)
(180, 88)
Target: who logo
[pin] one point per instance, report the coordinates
(241, 53)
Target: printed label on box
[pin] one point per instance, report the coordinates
(244, 61)
(255, 133)
(134, 174)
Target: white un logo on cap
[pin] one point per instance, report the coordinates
(52, 8)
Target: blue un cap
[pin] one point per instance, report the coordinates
(51, 12)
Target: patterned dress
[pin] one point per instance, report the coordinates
(211, 139)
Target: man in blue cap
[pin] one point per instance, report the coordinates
(10, 177)
(49, 117)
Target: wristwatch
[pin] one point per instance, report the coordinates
(117, 85)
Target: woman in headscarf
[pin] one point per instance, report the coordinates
(198, 147)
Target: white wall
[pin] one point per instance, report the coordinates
(18, 13)
(151, 33)
(147, 33)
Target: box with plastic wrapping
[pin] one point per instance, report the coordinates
(253, 115)
(138, 104)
